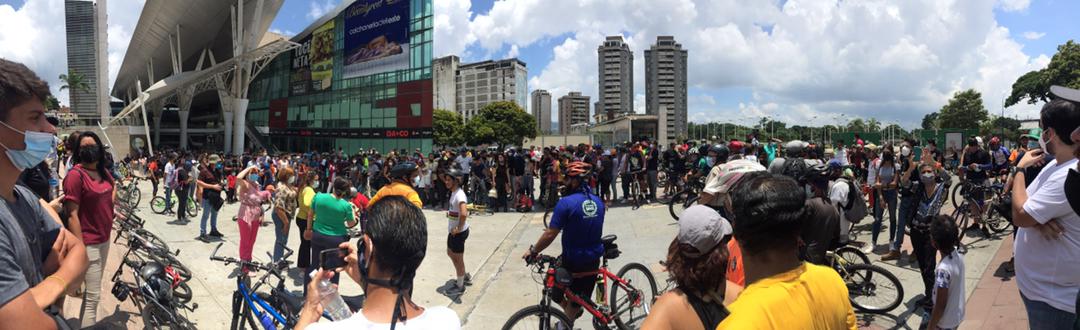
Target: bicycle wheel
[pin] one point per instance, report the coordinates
(631, 307)
(134, 196)
(191, 210)
(157, 204)
(995, 221)
(675, 205)
(852, 255)
(547, 216)
(957, 195)
(872, 288)
(537, 317)
(182, 293)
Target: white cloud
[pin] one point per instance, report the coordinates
(286, 33)
(514, 52)
(1032, 35)
(891, 60)
(452, 30)
(317, 9)
(34, 35)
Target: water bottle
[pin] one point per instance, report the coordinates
(332, 303)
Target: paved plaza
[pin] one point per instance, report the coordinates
(502, 284)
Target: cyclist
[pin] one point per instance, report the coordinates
(976, 163)
(783, 292)
(401, 184)
(1000, 157)
(821, 230)
(580, 213)
(636, 169)
(696, 260)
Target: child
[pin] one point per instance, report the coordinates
(948, 308)
(231, 194)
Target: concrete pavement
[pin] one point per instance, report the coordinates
(502, 282)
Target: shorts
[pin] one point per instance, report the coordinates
(580, 286)
(456, 243)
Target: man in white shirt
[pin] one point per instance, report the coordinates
(838, 195)
(1048, 242)
(170, 178)
(390, 251)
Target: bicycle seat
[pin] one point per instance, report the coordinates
(608, 239)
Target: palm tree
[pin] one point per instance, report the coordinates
(73, 82)
(873, 125)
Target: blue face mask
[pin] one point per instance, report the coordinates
(253, 177)
(38, 147)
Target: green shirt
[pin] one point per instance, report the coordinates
(331, 213)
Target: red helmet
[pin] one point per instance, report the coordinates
(995, 140)
(578, 169)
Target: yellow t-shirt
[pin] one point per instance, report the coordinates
(305, 198)
(807, 297)
(397, 189)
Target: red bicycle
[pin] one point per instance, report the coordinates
(626, 307)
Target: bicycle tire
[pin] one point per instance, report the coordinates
(852, 255)
(957, 195)
(192, 211)
(864, 287)
(646, 301)
(157, 204)
(675, 205)
(547, 216)
(995, 221)
(544, 314)
(134, 196)
(182, 293)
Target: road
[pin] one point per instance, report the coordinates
(502, 282)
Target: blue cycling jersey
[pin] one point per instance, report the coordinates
(580, 216)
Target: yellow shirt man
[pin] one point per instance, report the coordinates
(398, 189)
(807, 297)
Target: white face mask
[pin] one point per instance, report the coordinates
(1042, 141)
(905, 151)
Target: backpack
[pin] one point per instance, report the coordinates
(855, 210)
(172, 182)
(794, 168)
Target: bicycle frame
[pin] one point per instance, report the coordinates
(254, 303)
(589, 306)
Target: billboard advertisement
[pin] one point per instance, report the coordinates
(376, 37)
(300, 73)
(322, 57)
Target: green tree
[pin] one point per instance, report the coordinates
(504, 123)
(449, 130)
(1063, 70)
(873, 125)
(965, 110)
(73, 82)
(856, 125)
(930, 121)
(51, 103)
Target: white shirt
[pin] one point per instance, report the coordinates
(950, 275)
(838, 194)
(871, 171)
(1049, 270)
(452, 214)
(170, 172)
(432, 318)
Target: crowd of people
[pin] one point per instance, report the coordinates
(751, 254)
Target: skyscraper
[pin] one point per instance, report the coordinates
(573, 109)
(665, 84)
(616, 77)
(541, 109)
(479, 84)
(87, 55)
(444, 74)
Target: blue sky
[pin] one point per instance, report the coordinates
(813, 60)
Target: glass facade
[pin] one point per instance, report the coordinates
(381, 111)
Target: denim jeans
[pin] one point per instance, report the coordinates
(208, 211)
(888, 199)
(168, 198)
(652, 184)
(281, 236)
(1043, 316)
(907, 210)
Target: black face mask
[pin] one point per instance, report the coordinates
(88, 154)
(1072, 190)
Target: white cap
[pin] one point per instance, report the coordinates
(703, 228)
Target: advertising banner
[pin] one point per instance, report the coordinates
(366, 133)
(300, 75)
(376, 37)
(322, 57)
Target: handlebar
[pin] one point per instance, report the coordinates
(269, 267)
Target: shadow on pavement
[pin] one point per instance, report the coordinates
(878, 321)
(451, 291)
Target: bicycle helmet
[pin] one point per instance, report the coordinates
(721, 151)
(736, 146)
(155, 282)
(456, 173)
(995, 140)
(732, 171)
(703, 149)
(403, 169)
(578, 169)
(816, 174)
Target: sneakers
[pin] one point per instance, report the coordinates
(203, 238)
(869, 248)
(215, 233)
(468, 279)
(892, 255)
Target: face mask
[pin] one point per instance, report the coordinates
(88, 154)
(1042, 142)
(253, 177)
(38, 146)
(315, 185)
(710, 160)
(905, 151)
(292, 180)
(1033, 145)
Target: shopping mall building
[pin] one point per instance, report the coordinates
(208, 75)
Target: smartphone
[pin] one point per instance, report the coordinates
(330, 259)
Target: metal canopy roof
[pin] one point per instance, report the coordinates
(203, 24)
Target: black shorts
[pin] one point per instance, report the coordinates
(456, 243)
(580, 286)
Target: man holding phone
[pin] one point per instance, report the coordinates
(384, 263)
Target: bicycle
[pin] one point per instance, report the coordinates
(685, 198)
(866, 282)
(279, 309)
(128, 191)
(158, 205)
(635, 190)
(619, 308)
(991, 221)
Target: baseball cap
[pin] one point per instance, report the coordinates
(1034, 133)
(1065, 93)
(703, 228)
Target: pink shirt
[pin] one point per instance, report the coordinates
(95, 204)
(251, 204)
